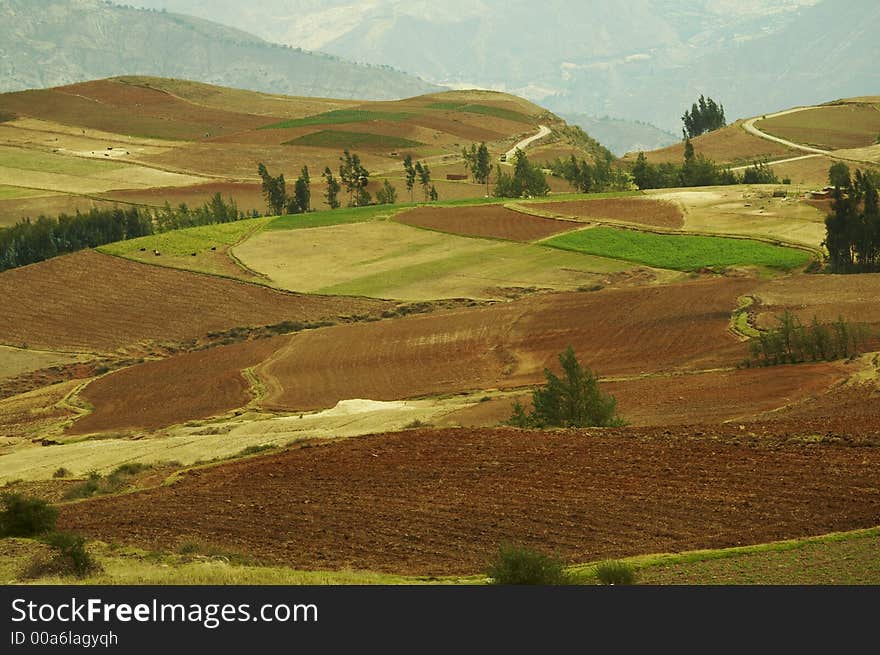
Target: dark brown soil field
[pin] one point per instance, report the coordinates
(615, 332)
(656, 213)
(441, 501)
(493, 221)
(89, 301)
(161, 393)
(712, 397)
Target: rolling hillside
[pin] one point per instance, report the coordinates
(146, 140)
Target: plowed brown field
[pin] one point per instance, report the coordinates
(710, 397)
(189, 386)
(90, 301)
(492, 221)
(440, 502)
(855, 297)
(656, 213)
(615, 332)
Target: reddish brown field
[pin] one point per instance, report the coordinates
(441, 501)
(656, 213)
(493, 221)
(189, 386)
(615, 332)
(90, 301)
(730, 144)
(855, 297)
(127, 109)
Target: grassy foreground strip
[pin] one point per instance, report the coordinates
(838, 558)
(678, 252)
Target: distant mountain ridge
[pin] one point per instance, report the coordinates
(46, 43)
(642, 60)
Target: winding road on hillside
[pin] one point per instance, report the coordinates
(749, 126)
(543, 131)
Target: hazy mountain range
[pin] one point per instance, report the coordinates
(641, 60)
(53, 42)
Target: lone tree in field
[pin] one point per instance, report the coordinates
(574, 400)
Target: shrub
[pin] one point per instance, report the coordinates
(85, 489)
(574, 400)
(615, 573)
(24, 516)
(518, 565)
(61, 473)
(70, 558)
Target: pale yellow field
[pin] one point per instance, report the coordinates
(749, 211)
(201, 441)
(126, 177)
(388, 260)
(15, 361)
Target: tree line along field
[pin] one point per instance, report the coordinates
(124, 138)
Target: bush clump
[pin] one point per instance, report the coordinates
(24, 516)
(518, 565)
(574, 400)
(615, 573)
(70, 558)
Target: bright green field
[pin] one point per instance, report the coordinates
(333, 217)
(339, 117)
(32, 160)
(186, 241)
(678, 252)
(339, 139)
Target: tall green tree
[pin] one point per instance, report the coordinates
(482, 166)
(274, 190)
(411, 174)
(355, 179)
(333, 189)
(424, 174)
(387, 195)
(302, 192)
(704, 116)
